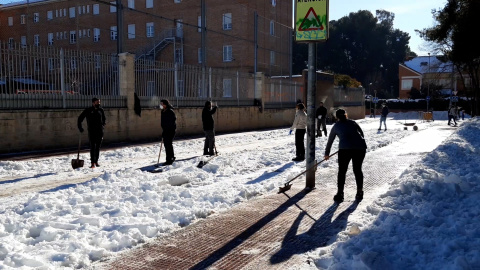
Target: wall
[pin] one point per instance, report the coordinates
(24, 131)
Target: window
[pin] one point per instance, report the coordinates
(272, 58)
(61, 35)
(73, 63)
(56, 13)
(88, 32)
(274, 2)
(79, 10)
(181, 88)
(150, 29)
(79, 34)
(151, 88)
(36, 17)
(227, 53)
(113, 7)
(96, 34)
(10, 21)
(24, 65)
(131, 31)
(71, 12)
(177, 1)
(37, 65)
(199, 23)
(51, 64)
(113, 33)
(83, 9)
(96, 9)
(407, 84)
(227, 21)
(149, 4)
(73, 37)
(199, 55)
(50, 15)
(88, 8)
(272, 28)
(22, 19)
(50, 39)
(131, 4)
(23, 41)
(98, 63)
(10, 43)
(227, 87)
(36, 40)
(64, 12)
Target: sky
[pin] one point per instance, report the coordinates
(55, 217)
(409, 15)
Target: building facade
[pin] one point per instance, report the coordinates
(245, 35)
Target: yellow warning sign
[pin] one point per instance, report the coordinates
(311, 20)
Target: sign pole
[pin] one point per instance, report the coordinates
(311, 26)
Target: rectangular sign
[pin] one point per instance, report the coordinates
(311, 20)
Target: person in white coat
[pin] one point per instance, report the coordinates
(300, 127)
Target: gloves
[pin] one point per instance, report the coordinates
(80, 129)
(290, 133)
(319, 117)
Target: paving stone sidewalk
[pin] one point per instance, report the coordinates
(273, 231)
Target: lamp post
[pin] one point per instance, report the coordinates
(370, 94)
(428, 83)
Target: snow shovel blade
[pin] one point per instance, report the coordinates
(284, 188)
(201, 164)
(77, 163)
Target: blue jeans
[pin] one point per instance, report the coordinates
(384, 120)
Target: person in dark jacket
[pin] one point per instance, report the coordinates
(169, 127)
(209, 128)
(383, 116)
(321, 115)
(351, 146)
(95, 123)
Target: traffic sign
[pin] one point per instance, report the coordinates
(311, 22)
(375, 100)
(428, 98)
(454, 98)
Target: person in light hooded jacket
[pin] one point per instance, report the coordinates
(351, 146)
(300, 127)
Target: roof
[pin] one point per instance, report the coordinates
(421, 65)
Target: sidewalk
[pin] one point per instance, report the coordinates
(273, 231)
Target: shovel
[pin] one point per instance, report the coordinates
(159, 153)
(77, 163)
(287, 185)
(204, 162)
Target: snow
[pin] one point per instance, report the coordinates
(52, 216)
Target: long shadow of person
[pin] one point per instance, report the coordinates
(317, 236)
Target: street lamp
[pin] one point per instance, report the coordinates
(370, 94)
(428, 83)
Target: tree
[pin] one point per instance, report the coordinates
(346, 81)
(453, 38)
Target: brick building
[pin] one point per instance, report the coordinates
(163, 30)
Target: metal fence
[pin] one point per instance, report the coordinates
(191, 86)
(33, 77)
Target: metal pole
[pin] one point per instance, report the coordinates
(255, 38)
(62, 77)
(312, 78)
(428, 83)
(119, 27)
(204, 48)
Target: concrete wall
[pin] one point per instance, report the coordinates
(24, 131)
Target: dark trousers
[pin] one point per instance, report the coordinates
(321, 124)
(209, 145)
(344, 157)
(451, 117)
(299, 142)
(168, 143)
(95, 140)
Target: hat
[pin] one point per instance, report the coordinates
(340, 113)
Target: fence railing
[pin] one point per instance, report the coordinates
(41, 77)
(34, 77)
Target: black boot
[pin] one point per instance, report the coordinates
(338, 197)
(359, 196)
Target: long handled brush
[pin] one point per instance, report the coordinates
(287, 185)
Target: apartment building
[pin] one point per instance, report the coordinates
(244, 35)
